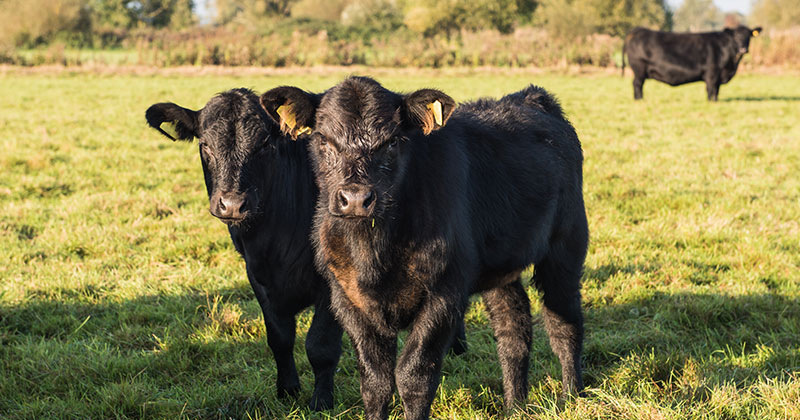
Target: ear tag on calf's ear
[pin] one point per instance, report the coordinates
(170, 128)
(755, 33)
(286, 112)
(436, 108)
(287, 116)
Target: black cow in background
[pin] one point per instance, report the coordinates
(260, 184)
(678, 58)
(417, 212)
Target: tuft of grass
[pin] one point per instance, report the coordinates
(121, 297)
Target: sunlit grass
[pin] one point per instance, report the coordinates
(120, 296)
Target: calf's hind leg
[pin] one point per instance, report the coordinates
(639, 76)
(510, 316)
(558, 277)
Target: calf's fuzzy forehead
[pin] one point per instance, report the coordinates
(359, 113)
(233, 122)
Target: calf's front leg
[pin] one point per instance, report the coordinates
(375, 351)
(323, 348)
(280, 338)
(419, 367)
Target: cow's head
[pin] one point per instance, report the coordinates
(234, 136)
(362, 139)
(741, 37)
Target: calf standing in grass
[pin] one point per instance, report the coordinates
(260, 184)
(415, 215)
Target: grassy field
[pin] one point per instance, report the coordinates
(122, 297)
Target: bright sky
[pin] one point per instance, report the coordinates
(741, 6)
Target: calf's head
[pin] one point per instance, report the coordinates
(362, 139)
(741, 37)
(234, 137)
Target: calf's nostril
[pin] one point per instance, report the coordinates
(222, 207)
(368, 199)
(343, 202)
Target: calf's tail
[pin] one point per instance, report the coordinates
(623, 57)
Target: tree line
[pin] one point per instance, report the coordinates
(105, 23)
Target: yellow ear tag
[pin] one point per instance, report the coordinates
(287, 116)
(286, 112)
(755, 33)
(170, 128)
(373, 223)
(436, 108)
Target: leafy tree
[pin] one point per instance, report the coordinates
(158, 13)
(108, 15)
(618, 17)
(698, 15)
(116, 14)
(566, 20)
(446, 16)
(379, 15)
(33, 22)
(569, 19)
(228, 11)
(778, 14)
(330, 10)
(182, 15)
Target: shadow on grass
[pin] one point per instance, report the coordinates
(761, 98)
(173, 355)
(733, 339)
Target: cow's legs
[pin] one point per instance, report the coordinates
(375, 352)
(510, 316)
(639, 75)
(638, 83)
(558, 277)
(419, 366)
(459, 344)
(280, 338)
(323, 348)
(712, 87)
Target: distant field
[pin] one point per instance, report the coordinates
(122, 297)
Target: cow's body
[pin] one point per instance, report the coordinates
(464, 209)
(679, 58)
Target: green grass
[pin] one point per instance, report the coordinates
(121, 297)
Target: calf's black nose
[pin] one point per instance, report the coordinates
(230, 206)
(355, 202)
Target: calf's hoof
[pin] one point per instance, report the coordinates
(291, 391)
(321, 400)
(459, 347)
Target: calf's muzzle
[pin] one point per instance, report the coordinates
(354, 201)
(229, 206)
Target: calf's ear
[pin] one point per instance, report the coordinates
(428, 109)
(756, 31)
(173, 121)
(291, 108)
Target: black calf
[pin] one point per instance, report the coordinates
(444, 211)
(260, 184)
